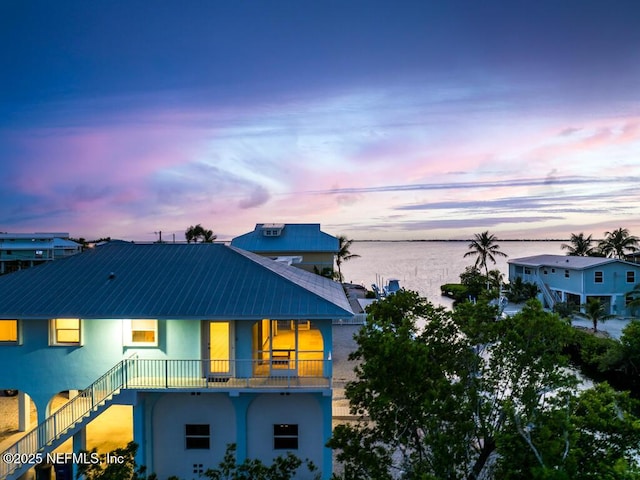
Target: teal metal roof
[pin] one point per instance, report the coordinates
(295, 237)
(203, 281)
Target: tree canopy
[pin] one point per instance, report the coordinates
(199, 233)
(618, 242)
(464, 395)
(579, 245)
(343, 255)
(485, 248)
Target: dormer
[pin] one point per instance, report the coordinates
(272, 229)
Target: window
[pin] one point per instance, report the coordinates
(553, 270)
(65, 331)
(140, 332)
(8, 331)
(598, 277)
(631, 276)
(285, 436)
(566, 274)
(197, 436)
(527, 271)
(545, 271)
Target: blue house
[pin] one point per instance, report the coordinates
(312, 249)
(574, 279)
(23, 250)
(210, 344)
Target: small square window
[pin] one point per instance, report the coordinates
(197, 436)
(140, 332)
(8, 331)
(598, 277)
(65, 331)
(631, 276)
(285, 436)
(566, 274)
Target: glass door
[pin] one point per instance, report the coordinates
(220, 349)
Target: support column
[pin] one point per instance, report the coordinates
(79, 444)
(326, 401)
(24, 412)
(241, 406)
(140, 431)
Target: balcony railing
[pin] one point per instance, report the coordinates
(275, 372)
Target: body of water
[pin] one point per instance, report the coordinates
(424, 266)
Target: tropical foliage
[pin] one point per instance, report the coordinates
(632, 299)
(485, 248)
(618, 242)
(520, 291)
(473, 397)
(282, 468)
(595, 311)
(343, 255)
(579, 246)
(199, 233)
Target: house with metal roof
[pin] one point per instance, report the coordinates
(575, 279)
(210, 344)
(23, 250)
(304, 244)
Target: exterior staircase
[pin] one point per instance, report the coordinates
(62, 424)
(549, 297)
(149, 374)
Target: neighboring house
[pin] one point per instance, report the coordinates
(315, 249)
(574, 279)
(210, 344)
(23, 250)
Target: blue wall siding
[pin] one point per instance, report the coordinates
(42, 370)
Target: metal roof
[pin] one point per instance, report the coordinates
(208, 281)
(564, 261)
(295, 237)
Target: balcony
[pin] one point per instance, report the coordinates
(279, 371)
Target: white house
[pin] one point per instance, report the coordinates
(575, 279)
(210, 344)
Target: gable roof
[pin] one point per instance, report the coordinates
(565, 261)
(294, 237)
(201, 281)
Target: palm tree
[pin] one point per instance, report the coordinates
(595, 311)
(579, 246)
(343, 254)
(484, 246)
(633, 299)
(617, 242)
(193, 234)
(207, 236)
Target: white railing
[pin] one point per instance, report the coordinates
(134, 374)
(546, 292)
(357, 319)
(23, 453)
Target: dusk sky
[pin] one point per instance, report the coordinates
(378, 119)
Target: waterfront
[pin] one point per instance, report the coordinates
(424, 266)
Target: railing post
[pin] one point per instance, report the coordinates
(166, 374)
